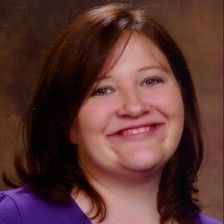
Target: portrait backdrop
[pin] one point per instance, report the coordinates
(27, 28)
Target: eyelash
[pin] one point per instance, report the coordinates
(151, 81)
(102, 91)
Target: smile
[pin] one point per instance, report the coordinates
(139, 132)
(135, 131)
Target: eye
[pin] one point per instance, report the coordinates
(151, 81)
(102, 91)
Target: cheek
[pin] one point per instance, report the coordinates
(169, 102)
(94, 116)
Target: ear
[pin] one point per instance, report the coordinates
(72, 135)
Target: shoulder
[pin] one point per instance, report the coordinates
(204, 219)
(9, 212)
(24, 207)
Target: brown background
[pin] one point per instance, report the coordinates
(27, 28)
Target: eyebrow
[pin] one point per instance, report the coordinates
(163, 68)
(145, 68)
(98, 79)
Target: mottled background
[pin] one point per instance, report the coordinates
(28, 27)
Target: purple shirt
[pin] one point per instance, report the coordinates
(19, 206)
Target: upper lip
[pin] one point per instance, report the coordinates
(134, 127)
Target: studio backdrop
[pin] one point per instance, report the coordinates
(27, 28)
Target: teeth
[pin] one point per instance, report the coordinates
(135, 131)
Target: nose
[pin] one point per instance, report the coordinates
(132, 105)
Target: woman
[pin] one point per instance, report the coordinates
(113, 131)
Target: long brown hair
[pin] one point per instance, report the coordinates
(68, 74)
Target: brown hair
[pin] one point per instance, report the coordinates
(69, 72)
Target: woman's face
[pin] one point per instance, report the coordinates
(132, 121)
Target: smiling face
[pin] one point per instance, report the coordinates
(132, 121)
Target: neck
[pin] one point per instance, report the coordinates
(128, 200)
(130, 189)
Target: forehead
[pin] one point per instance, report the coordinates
(135, 51)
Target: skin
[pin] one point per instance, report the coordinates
(127, 129)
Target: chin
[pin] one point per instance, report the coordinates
(145, 163)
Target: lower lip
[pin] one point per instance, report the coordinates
(154, 131)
